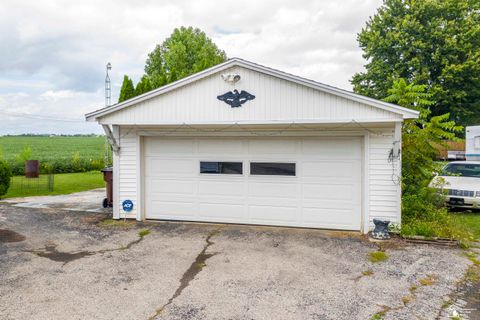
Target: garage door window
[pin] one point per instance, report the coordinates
(210, 167)
(272, 169)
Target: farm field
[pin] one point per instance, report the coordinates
(59, 154)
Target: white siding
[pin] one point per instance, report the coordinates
(128, 164)
(276, 100)
(384, 183)
(383, 200)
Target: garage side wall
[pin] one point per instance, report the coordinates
(127, 171)
(384, 191)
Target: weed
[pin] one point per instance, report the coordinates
(475, 261)
(142, 233)
(447, 304)
(377, 316)
(113, 223)
(407, 299)
(428, 280)
(377, 256)
(413, 288)
(470, 254)
(473, 274)
(368, 272)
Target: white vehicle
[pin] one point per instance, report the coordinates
(461, 182)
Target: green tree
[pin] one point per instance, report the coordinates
(420, 136)
(127, 90)
(186, 51)
(143, 86)
(435, 43)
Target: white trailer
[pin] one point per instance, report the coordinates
(472, 143)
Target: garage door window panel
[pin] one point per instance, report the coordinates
(217, 167)
(272, 169)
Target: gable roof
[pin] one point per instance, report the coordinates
(404, 112)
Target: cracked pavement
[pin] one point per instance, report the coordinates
(59, 264)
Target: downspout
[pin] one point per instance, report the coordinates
(111, 138)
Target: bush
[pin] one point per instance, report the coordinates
(424, 214)
(5, 176)
(72, 165)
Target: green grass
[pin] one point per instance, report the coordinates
(64, 184)
(54, 148)
(468, 221)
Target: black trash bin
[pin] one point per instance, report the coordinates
(108, 178)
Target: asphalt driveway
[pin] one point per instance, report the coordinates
(57, 264)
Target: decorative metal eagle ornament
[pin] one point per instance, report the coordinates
(235, 99)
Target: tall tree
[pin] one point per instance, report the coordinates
(186, 51)
(435, 43)
(127, 90)
(143, 86)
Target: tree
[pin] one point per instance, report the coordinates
(143, 86)
(420, 136)
(186, 51)
(127, 90)
(435, 43)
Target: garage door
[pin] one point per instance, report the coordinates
(304, 182)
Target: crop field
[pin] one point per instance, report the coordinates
(57, 154)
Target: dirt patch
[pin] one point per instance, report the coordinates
(10, 236)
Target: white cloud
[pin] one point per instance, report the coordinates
(53, 53)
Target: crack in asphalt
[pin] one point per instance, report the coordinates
(191, 272)
(50, 252)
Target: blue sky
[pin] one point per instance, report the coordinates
(53, 53)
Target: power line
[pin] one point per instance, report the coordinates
(38, 117)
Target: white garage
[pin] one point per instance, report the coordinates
(242, 143)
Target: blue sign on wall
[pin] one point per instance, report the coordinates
(127, 205)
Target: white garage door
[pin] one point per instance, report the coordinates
(304, 182)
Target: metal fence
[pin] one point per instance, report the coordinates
(44, 182)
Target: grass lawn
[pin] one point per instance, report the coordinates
(65, 183)
(470, 221)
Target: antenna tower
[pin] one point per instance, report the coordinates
(108, 92)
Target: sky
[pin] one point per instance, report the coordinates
(53, 53)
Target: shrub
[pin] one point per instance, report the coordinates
(25, 155)
(423, 214)
(77, 165)
(71, 165)
(5, 176)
